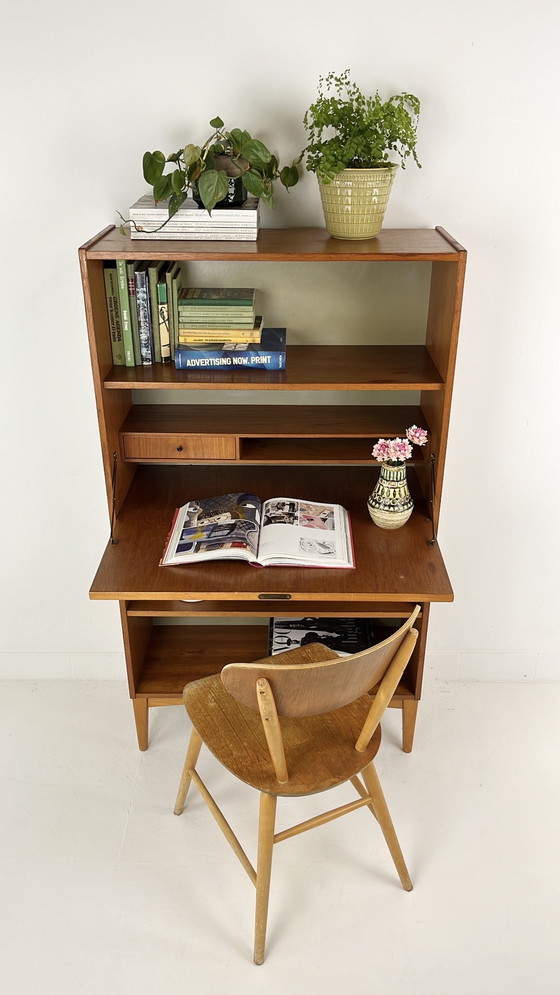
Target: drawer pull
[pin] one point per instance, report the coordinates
(179, 449)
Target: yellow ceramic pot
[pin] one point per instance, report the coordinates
(354, 202)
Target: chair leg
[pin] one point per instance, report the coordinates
(193, 750)
(371, 780)
(267, 815)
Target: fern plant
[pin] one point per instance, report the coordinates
(348, 130)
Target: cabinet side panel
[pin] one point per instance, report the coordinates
(136, 636)
(112, 406)
(444, 313)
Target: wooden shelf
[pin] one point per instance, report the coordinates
(261, 433)
(284, 244)
(176, 655)
(263, 609)
(353, 367)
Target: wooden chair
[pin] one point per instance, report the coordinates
(295, 724)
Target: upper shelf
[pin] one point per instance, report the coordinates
(356, 367)
(285, 244)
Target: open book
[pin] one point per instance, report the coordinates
(279, 532)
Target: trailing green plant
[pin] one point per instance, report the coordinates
(348, 130)
(204, 169)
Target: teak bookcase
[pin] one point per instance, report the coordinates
(157, 456)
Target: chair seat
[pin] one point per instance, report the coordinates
(320, 749)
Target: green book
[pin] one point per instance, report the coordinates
(113, 314)
(131, 267)
(228, 296)
(153, 277)
(163, 314)
(176, 280)
(124, 303)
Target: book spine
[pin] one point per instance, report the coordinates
(130, 268)
(163, 316)
(125, 313)
(153, 270)
(221, 336)
(193, 359)
(144, 317)
(176, 285)
(233, 236)
(113, 313)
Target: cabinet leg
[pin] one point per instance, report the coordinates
(409, 713)
(140, 706)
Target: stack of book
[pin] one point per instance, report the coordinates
(142, 301)
(194, 223)
(218, 327)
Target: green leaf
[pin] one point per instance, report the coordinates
(190, 154)
(253, 183)
(162, 188)
(177, 181)
(212, 187)
(216, 123)
(289, 176)
(152, 166)
(256, 153)
(175, 202)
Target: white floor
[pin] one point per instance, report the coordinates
(104, 890)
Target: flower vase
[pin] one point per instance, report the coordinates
(390, 504)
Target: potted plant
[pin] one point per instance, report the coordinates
(351, 138)
(219, 172)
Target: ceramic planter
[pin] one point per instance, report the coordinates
(354, 202)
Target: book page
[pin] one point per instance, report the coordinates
(309, 533)
(226, 527)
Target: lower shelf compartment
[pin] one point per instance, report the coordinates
(175, 655)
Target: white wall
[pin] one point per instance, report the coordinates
(87, 88)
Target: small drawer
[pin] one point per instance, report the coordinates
(153, 447)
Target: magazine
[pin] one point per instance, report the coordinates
(344, 635)
(281, 531)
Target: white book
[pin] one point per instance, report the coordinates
(248, 213)
(198, 236)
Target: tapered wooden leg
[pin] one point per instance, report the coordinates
(382, 813)
(267, 816)
(140, 706)
(409, 713)
(193, 750)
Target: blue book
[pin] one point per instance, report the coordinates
(268, 354)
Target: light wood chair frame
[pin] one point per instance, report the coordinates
(248, 685)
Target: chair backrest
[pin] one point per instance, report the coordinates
(322, 685)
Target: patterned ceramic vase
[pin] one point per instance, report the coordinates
(390, 504)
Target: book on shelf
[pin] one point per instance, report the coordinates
(196, 334)
(174, 279)
(281, 531)
(143, 311)
(114, 313)
(344, 635)
(126, 319)
(192, 222)
(154, 270)
(131, 266)
(164, 314)
(268, 354)
(218, 296)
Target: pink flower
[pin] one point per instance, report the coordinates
(399, 450)
(381, 451)
(418, 436)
